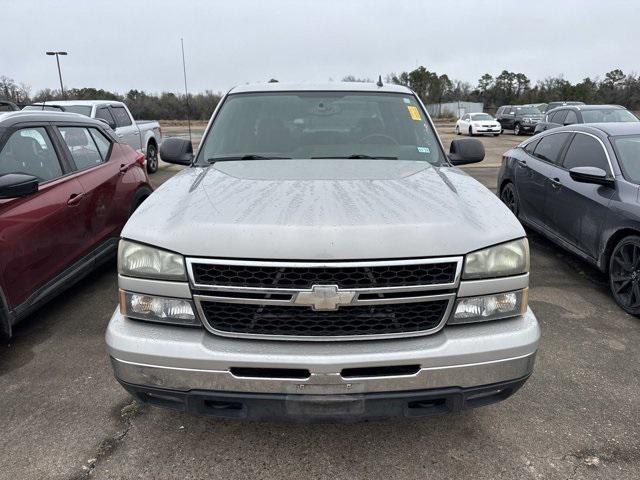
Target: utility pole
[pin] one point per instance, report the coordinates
(57, 54)
(186, 91)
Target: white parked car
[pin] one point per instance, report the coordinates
(478, 124)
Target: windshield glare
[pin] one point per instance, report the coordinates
(613, 115)
(321, 125)
(481, 116)
(628, 152)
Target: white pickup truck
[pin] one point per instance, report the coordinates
(144, 136)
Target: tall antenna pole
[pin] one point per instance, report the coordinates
(186, 91)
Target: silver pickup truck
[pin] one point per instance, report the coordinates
(144, 135)
(322, 259)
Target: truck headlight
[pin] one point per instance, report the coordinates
(511, 258)
(140, 306)
(137, 260)
(490, 307)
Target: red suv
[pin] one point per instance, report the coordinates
(67, 187)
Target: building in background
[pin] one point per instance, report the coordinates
(454, 109)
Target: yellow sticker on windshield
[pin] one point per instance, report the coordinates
(414, 112)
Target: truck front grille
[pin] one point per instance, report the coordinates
(302, 321)
(319, 301)
(305, 277)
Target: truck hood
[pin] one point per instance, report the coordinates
(322, 210)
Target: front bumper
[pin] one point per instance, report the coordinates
(326, 408)
(487, 130)
(148, 356)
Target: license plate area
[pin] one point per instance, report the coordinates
(324, 405)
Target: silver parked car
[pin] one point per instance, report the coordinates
(322, 259)
(142, 135)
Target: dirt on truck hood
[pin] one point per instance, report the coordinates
(322, 210)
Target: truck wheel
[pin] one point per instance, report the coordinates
(152, 158)
(624, 274)
(509, 198)
(516, 129)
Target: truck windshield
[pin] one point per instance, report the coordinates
(481, 117)
(319, 125)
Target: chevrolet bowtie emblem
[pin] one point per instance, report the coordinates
(324, 297)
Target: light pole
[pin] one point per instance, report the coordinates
(57, 54)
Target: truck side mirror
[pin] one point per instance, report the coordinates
(466, 150)
(15, 185)
(177, 150)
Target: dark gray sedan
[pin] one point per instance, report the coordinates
(579, 186)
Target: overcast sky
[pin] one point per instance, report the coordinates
(124, 44)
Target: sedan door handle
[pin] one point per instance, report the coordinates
(555, 182)
(522, 163)
(124, 168)
(136, 133)
(120, 135)
(75, 199)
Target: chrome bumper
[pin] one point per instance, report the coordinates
(185, 359)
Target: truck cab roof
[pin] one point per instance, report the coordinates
(320, 87)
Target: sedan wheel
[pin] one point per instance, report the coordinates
(457, 130)
(508, 197)
(624, 274)
(152, 158)
(516, 129)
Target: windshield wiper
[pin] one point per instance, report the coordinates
(357, 156)
(244, 157)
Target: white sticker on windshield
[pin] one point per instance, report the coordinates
(424, 150)
(406, 100)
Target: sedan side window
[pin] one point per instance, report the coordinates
(550, 147)
(30, 151)
(586, 151)
(560, 116)
(83, 148)
(571, 119)
(531, 146)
